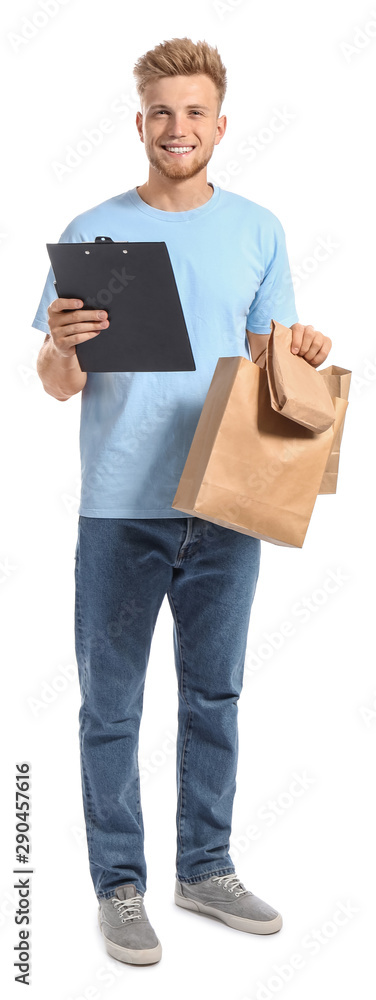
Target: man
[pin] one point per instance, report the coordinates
(232, 271)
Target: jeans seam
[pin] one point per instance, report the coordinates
(86, 783)
(188, 729)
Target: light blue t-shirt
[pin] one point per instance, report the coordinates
(232, 271)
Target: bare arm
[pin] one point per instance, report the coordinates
(61, 377)
(258, 343)
(57, 363)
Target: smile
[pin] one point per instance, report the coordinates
(178, 150)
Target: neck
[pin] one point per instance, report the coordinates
(171, 195)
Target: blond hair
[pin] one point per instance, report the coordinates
(181, 57)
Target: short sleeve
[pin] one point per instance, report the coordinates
(72, 234)
(275, 297)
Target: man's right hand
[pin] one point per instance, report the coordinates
(70, 326)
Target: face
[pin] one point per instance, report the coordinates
(169, 120)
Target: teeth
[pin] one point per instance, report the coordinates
(179, 149)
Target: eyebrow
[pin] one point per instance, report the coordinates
(202, 106)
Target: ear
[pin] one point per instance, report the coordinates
(221, 128)
(139, 124)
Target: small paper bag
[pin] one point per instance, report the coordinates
(296, 389)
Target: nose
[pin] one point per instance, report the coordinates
(176, 126)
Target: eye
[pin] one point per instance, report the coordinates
(163, 112)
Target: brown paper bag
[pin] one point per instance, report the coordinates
(296, 389)
(337, 381)
(249, 468)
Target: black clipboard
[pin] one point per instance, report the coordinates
(135, 284)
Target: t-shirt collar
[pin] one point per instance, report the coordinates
(192, 213)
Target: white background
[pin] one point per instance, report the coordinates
(308, 707)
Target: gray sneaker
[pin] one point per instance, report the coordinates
(127, 932)
(225, 897)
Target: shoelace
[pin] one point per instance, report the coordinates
(124, 905)
(226, 880)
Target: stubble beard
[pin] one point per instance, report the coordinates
(172, 169)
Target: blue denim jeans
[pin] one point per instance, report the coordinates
(123, 570)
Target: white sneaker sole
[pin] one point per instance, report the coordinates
(239, 923)
(134, 956)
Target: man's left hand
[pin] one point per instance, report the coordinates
(310, 344)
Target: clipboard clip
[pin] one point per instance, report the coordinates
(106, 239)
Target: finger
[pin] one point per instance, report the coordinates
(308, 337)
(297, 331)
(82, 315)
(314, 346)
(67, 344)
(78, 338)
(74, 329)
(58, 304)
(321, 353)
